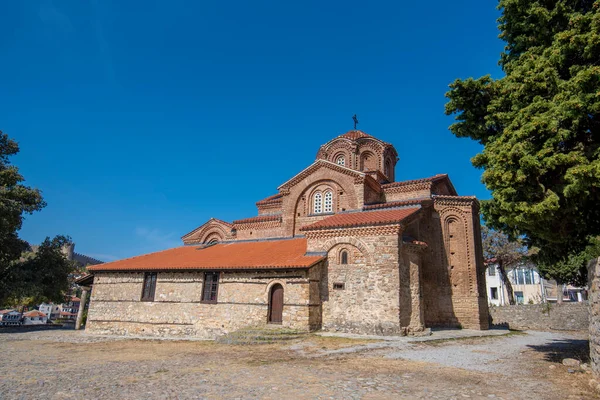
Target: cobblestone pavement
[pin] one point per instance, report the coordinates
(73, 365)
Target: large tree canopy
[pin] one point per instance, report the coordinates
(43, 274)
(539, 125)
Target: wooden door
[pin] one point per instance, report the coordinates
(276, 304)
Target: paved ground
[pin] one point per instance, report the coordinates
(72, 365)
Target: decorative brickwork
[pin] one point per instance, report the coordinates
(361, 254)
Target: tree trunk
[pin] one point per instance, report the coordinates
(559, 292)
(506, 281)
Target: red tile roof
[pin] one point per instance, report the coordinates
(34, 313)
(269, 199)
(347, 220)
(268, 254)
(413, 181)
(68, 314)
(260, 218)
(393, 204)
(355, 134)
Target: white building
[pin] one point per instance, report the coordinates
(528, 287)
(51, 310)
(34, 317)
(527, 284)
(10, 318)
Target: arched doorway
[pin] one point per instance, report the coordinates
(276, 304)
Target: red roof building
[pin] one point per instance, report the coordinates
(342, 245)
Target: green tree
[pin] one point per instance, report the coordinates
(44, 275)
(539, 126)
(505, 253)
(17, 277)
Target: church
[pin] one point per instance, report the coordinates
(341, 246)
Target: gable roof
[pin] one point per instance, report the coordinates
(266, 254)
(210, 221)
(363, 218)
(259, 218)
(431, 180)
(397, 204)
(34, 313)
(320, 163)
(271, 199)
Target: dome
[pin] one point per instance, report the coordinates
(355, 134)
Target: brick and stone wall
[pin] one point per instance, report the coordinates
(542, 317)
(363, 295)
(594, 310)
(177, 310)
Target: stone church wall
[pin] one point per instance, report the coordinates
(453, 272)
(361, 296)
(177, 310)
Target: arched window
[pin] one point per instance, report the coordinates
(341, 160)
(318, 203)
(388, 168)
(344, 257)
(328, 204)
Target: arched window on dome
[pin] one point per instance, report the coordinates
(341, 160)
(318, 203)
(344, 257)
(328, 203)
(388, 168)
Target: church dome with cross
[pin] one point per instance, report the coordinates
(360, 151)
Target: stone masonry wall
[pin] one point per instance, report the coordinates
(363, 295)
(542, 317)
(177, 310)
(594, 310)
(454, 294)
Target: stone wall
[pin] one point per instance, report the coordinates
(177, 310)
(594, 310)
(363, 295)
(542, 317)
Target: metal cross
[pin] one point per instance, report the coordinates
(355, 119)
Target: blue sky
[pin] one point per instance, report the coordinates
(140, 120)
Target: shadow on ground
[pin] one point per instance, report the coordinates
(558, 350)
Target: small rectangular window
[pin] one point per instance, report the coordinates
(492, 270)
(339, 286)
(494, 293)
(149, 286)
(520, 298)
(210, 287)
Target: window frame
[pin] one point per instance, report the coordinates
(344, 254)
(341, 160)
(494, 293)
(208, 290)
(149, 278)
(317, 202)
(328, 196)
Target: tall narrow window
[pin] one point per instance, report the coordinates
(318, 203)
(344, 257)
(211, 287)
(494, 293)
(149, 286)
(328, 202)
